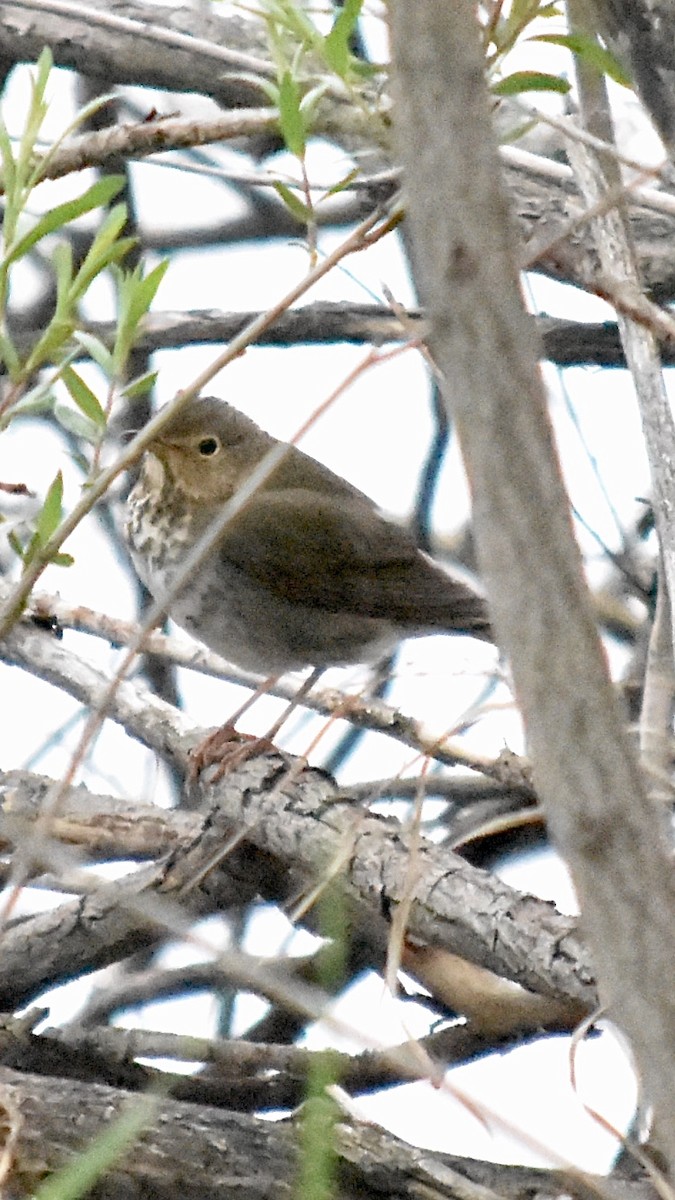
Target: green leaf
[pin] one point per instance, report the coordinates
(49, 516)
(96, 350)
(30, 550)
(97, 196)
(50, 344)
(290, 117)
(530, 81)
(290, 19)
(39, 399)
(93, 266)
(140, 385)
(44, 65)
(145, 290)
(75, 422)
(14, 542)
(84, 398)
(136, 294)
(8, 355)
(510, 28)
(300, 211)
(36, 116)
(310, 101)
(82, 115)
(268, 86)
(8, 163)
(590, 50)
(336, 44)
(106, 248)
(342, 183)
(62, 262)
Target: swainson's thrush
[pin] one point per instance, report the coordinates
(307, 574)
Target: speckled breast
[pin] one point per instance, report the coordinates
(159, 527)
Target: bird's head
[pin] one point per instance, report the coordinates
(208, 449)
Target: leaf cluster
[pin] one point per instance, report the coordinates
(33, 374)
(504, 28)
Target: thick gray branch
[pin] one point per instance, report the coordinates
(642, 32)
(134, 55)
(192, 1151)
(298, 821)
(565, 342)
(612, 838)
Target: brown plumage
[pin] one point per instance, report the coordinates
(308, 573)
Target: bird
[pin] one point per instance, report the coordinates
(308, 573)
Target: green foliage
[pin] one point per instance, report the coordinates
(335, 47)
(34, 373)
(135, 293)
(46, 523)
(505, 28)
(530, 81)
(301, 212)
(319, 1113)
(590, 51)
(293, 36)
(291, 120)
(89, 421)
(96, 196)
(307, 63)
(22, 170)
(318, 1117)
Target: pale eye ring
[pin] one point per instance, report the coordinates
(208, 446)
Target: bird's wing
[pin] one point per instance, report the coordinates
(337, 554)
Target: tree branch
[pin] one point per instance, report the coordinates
(613, 839)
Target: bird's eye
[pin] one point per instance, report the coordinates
(208, 446)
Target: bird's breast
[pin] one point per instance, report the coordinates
(159, 528)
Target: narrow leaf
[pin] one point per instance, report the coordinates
(98, 195)
(98, 254)
(50, 344)
(8, 163)
(300, 211)
(9, 357)
(75, 422)
(84, 398)
(590, 50)
(30, 550)
(530, 81)
(44, 65)
(62, 262)
(93, 265)
(146, 291)
(50, 513)
(342, 183)
(96, 350)
(15, 543)
(336, 44)
(136, 294)
(140, 385)
(290, 116)
(39, 399)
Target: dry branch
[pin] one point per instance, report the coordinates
(193, 1152)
